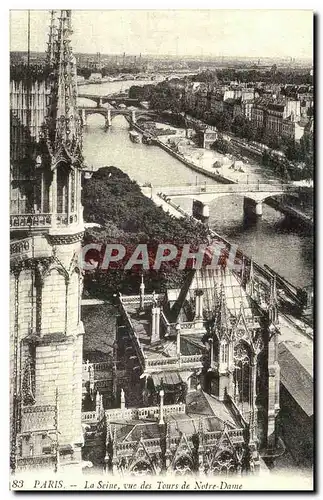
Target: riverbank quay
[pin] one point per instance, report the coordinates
(297, 215)
(287, 292)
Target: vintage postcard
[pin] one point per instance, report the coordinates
(161, 250)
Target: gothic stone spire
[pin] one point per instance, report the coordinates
(64, 132)
(52, 39)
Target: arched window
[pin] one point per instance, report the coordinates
(224, 464)
(224, 352)
(63, 172)
(141, 468)
(242, 381)
(183, 466)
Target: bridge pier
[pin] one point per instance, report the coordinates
(133, 117)
(83, 117)
(200, 210)
(99, 103)
(252, 207)
(108, 121)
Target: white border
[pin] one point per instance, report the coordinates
(4, 198)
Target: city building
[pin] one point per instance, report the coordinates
(206, 137)
(46, 228)
(275, 115)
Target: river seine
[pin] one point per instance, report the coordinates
(270, 240)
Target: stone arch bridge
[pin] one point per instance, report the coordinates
(103, 99)
(254, 194)
(109, 113)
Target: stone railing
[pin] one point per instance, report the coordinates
(21, 246)
(36, 462)
(89, 417)
(26, 221)
(45, 220)
(33, 247)
(36, 418)
(192, 359)
(236, 436)
(188, 325)
(135, 299)
(161, 362)
(103, 366)
(176, 440)
(103, 384)
(129, 446)
(149, 412)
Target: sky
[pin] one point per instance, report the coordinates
(244, 33)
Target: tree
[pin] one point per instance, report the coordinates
(271, 139)
(221, 145)
(128, 217)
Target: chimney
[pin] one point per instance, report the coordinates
(142, 293)
(123, 400)
(155, 337)
(161, 407)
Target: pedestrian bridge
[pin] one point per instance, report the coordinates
(254, 194)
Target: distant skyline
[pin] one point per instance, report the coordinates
(228, 33)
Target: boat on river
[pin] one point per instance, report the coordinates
(134, 136)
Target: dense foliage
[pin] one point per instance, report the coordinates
(115, 202)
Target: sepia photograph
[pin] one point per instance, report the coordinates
(161, 250)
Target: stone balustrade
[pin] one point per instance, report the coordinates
(135, 299)
(33, 247)
(149, 412)
(161, 362)
(89, 417)
(41, 220)
(37, 418)
(196, 359)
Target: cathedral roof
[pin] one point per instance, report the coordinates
(214, 414)
(223, 295)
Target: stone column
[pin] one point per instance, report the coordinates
(142, 293)
(133, 117)
(83, 117)
(258, 208)
(198, 308)
(97, 404)
(69, 196)
(273, 383)
(161, 407)
(178, 339)
(108, 119)
(155, 324)
(53, 198)
(253, 395)
(211, 353)
(205, 212)
(122, 400)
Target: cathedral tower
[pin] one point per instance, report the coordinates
(46, 228)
